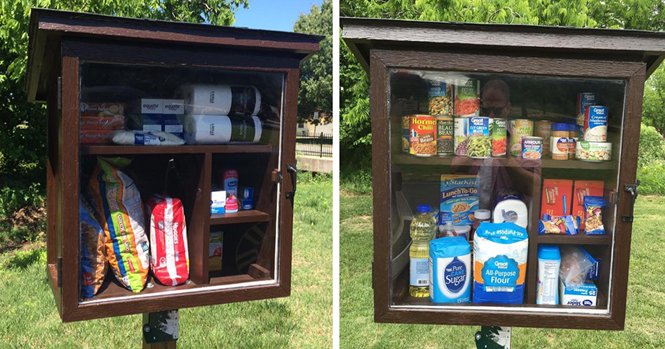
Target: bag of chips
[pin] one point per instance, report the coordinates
(568, 225)
(593, 215)
(93, 251)
(169, 256)
(119, 203)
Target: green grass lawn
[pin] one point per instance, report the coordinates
(29, 319)
(645, 317)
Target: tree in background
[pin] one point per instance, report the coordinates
(355, 137)
(23, 124)
(315, 92)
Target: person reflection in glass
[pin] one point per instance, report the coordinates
(502, 172)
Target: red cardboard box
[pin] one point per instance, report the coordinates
(582, 189)
(557, 197)
(97, 136)
(102, 122)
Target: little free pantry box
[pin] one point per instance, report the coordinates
(529, 76)
(81, 62)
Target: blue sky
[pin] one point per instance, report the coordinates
(273, 14)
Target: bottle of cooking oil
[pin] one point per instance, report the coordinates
(422, 231)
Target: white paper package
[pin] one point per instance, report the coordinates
(220, 129)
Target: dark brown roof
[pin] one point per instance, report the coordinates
(48, 26)
(362, 34)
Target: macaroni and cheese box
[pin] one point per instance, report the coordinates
(557, 197)
(459, 199)
(582, 190)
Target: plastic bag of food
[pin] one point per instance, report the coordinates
(146, 138)
(567, 225)
(169, 256)
(93, 251)
(575, 264)
(119, 203)
(593, 217)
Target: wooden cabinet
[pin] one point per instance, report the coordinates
(77, 61)
(538, 73)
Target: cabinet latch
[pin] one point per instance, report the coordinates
(58, 269)
(293, 170)
(632, 190)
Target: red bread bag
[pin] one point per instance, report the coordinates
(169, 257)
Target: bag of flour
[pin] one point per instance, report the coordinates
(500, 252)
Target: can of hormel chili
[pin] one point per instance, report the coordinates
(422, 135)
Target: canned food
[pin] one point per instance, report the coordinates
(461, 135)
(444, 136)
(422, 135)
(440, 98)
(594, 151)
(584, 100)
(595, 124)
(406, 124)
(480, 142)
(467, 97)
(519, 128)
(543, 129)
(572, 140)
(532, 147)
(499, 137)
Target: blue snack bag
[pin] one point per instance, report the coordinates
(593, 217)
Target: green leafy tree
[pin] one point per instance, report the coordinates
(315, 92)
(23, 124)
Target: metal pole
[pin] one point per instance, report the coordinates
(493, 337)
(321, 143)
(160, 330)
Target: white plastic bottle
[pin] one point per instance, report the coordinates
(549, 262)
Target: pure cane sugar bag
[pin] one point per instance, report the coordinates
(118, 201)
(93, 251)
(169, 257)
(500, 252)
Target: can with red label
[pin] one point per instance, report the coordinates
(422, 135)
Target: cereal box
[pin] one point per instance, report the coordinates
(583, 189)
(459, 199)
(557, 197)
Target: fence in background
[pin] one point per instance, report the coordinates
(314, 144)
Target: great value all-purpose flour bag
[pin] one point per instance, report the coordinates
(459, 199)
(118, 201)
(500, 251)
(93, 251)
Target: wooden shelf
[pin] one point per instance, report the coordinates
(112, 288)
(249, 216)
(501, 161)
(579, 239)
(176, 149)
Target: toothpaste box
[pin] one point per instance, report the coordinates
(581, 190)
(556, 197)
(173, 110)
(583, 296)
(218, 202)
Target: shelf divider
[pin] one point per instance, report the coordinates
(579, 239)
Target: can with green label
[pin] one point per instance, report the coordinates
(499, 137)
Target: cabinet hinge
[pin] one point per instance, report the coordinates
(58, 269)
(59, 93)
